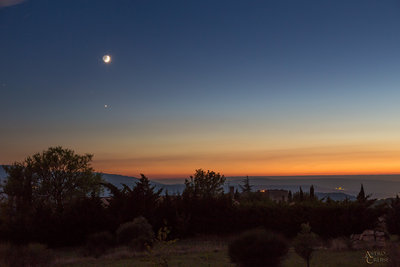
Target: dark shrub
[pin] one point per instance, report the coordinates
(31, 255)
(258, 248)
(138, 234)
(97, 244)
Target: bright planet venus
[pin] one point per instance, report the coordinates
(107, 58)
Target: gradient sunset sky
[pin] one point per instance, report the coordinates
(239, 87)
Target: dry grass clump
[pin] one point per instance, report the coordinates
(339, 244)
(122, 253)
(31, 255)
(98, 244)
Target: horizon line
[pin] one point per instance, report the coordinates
(184, 176)
(157, 176)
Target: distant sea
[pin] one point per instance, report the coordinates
(378, 186)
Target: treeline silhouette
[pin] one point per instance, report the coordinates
(54, 198)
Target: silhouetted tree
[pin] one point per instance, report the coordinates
(145, 197)
(361, 195)
(312, 195)
(44, 191)
(128, 203)
(18, 186)
(246, 187)
(236, 195)
(290, 196)
(144, 189)
(301, 195)
(54, 178)
(204, 184)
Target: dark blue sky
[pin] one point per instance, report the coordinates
(192, 74)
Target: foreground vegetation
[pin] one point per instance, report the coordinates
(199, 253)
(203, 252)
(52, 199)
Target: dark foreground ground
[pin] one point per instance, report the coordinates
(210, 252)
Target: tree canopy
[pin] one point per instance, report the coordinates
(204, 184)
(128, 203)
(52, 178)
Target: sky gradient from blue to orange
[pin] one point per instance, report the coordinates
(239, 87)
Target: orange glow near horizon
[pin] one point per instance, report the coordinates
(233, 155)
(166, 175)
(351, 160)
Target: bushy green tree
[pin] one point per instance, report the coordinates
(52, 178)
(19, 186)
(42, 190)
(305, 242)
(137, 234)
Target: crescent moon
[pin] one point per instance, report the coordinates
(107, 59)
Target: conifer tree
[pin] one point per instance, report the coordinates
(312, 195)
(361, 195)
(246, 187)
(301, 194)
(290, 196)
